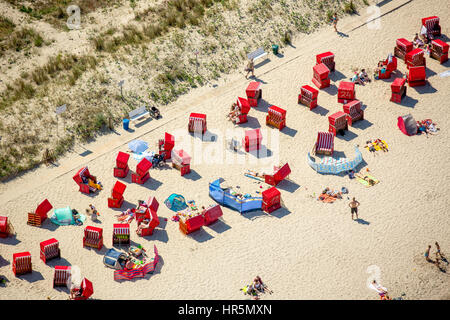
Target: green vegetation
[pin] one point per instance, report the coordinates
(349, 7)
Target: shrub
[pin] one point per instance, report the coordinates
(349, 7)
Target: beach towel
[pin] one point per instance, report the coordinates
(365, 182)
(326, 198)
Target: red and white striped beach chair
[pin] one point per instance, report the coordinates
(346, 92)
(166, 145)
(78, 178)
(276, 117)
(308, 96)
(197, 123)
(142, 171)
(116, 200)
(181, 160)
(326, 58)
(244, 106)
(337, 121)
(398, 89)
(280, 173)
(416, 76)
(212, 214)
(321, 76)
(402, 47)
(324, 143)
(252, 140)
(254, 93)
(21, 263)
(439, 50)
(61, 276)
(353, 111)
(121, 170)
(93, 237)
(415, 58)
(121, 234)
(432, 25)
(271, 200)
(50, 250)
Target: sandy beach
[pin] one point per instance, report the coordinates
(307, 249)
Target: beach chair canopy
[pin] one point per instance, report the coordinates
(175, 202)
(407, 124)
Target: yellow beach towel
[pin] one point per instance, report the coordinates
(365, 182)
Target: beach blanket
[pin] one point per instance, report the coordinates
(142, 155)
(326, 198)
(377, 146)
(365, 182)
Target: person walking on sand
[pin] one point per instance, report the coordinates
(427, 254)
(438, 252)
(334, 20)
(250, 68)
(354, 207)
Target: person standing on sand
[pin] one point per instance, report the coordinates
(438, 252)
(354, 207)
(427, 254)
(334, 20)
(250, 68)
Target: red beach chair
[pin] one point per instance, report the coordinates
(166, 145)
(191, 224)
(244, 105)
(324, 143)
(432, 25)
(121, 234)
(439, 50)
(337, 121)
(93, 237)
(402, 47)
(416, 76)
(276, 117)
(326, 58)
(280, 173)
(308, 96)
(398, 89)
(117, 199)
(21, 263)
(197, 123)
(86, 290)
(271, 200)
(121, 169)
(353, 111)
(142, 171)
(346, 92)
(252, 140)
(415, 58)
(61, 276)
(50, 249)
(212, 214)
(321, 76)
(6, 228)
(151, 214)
(83, 173)
(38, 217)
(181, 160)
(254, 93)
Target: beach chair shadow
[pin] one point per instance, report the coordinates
(426, 89)
(193, 175)
(159, 234)
(263, 106)
(125, 205)
(332, 90)
(430, 73)
(252, 123)
(408, 102)
(280, 213)
(320, 110)
(348, 136)
(200, 235)
(219, 226)
(336, 75)
(3, 262)
(58, 262)
(262, 153)
(32, 277)
(152, 184)
(254, 214)
(10, 241)
(50, 226)
(289, 131)
(288, 185)
(362, 124)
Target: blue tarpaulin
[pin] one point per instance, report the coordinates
(225, 198)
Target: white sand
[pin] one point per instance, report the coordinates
(309, 250)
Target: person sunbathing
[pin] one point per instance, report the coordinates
(382, 291)
(92, 184)
(363, 76)
(381, 144)
(418, 43)
(356, 79)
(76, 293)
(371, 147)
(143, 225)
(125, 216)
(366, 178)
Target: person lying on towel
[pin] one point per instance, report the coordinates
(92, 184)
(366, 178)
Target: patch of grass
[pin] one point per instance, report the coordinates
(6, 27)
(22, 39)
(349, 7)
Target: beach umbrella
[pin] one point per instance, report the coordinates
(138, 146)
